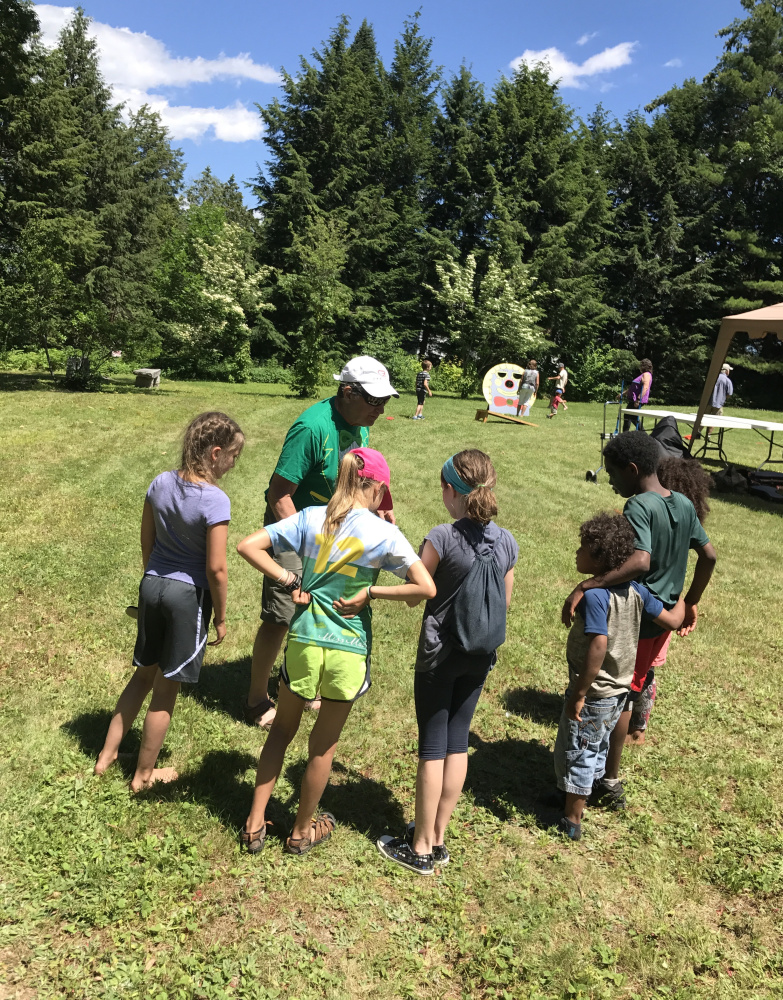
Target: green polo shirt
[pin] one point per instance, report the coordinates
(312, 450)
(667, 528)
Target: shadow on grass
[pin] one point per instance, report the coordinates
(747, 501)
(44, 382)
(531, 703)
(512, 775)
(89, 730)
(366, 805)
(224, 687)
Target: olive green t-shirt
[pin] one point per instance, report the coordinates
(667, 528)
(312, 450)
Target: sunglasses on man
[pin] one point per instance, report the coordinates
(371, 400)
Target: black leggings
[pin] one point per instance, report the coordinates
(446, 698)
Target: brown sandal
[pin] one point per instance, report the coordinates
(253, 843)
(253, 713)
(321, 830)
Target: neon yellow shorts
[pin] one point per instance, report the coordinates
(338, 674)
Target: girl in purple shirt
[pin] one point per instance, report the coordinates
(184, 530)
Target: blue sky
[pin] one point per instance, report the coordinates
(204, 66)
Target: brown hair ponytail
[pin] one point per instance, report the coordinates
(475, 468)
(203, 433)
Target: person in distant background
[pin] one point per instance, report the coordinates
(638, 393)
(528, 390)
(724, 388)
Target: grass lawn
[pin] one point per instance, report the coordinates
(109, 896)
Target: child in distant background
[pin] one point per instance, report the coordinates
(184, 530)
(422, 388)
(601, 652)
(561, 381)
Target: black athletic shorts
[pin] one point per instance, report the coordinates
(421, 395)
(172, 627)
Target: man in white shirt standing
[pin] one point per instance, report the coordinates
(723, 389)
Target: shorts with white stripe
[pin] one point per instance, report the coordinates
(172, 627)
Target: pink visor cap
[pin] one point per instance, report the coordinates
(377, 468)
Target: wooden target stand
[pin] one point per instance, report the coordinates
(483, 414)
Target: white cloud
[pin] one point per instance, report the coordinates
(673, 63)
(584, 39)
(570, 74)
(134, 63)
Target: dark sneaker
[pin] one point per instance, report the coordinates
(400, 851)
(572, 830)
(440, 854)
(608, 796)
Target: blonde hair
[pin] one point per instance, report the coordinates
(350, 484)
(203, 433)
(475, 469)
(426, 365)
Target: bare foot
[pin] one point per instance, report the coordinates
(314, 705)
(160, 775)
(635, 738)
(103, 762)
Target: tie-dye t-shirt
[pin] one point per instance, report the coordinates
(339, 566)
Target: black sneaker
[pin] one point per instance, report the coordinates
(609, 796)
(572, 830)
(398, 849)
(440, 854)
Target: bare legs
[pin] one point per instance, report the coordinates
(616, 744)
(156, 724)
(323, 742)
(438, 788)
(574, 808)
(266, 647)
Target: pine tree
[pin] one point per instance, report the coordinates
(549, 205)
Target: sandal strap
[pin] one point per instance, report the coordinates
(253, 712)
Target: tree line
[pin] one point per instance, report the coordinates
(400, 213)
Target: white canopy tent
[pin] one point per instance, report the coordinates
(757, 324)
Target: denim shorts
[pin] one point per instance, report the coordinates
(581, 747)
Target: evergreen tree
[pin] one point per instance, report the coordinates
(416, 245)
(549, 205)
(661, 279)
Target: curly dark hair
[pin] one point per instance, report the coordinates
(645, 365)
(633, 446)
(686, 476)
(610, 539)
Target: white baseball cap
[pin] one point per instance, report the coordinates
(726, 368)
(371, 375)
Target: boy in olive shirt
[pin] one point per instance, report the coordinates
(666, 528)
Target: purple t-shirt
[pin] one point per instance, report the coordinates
(183, 511)
(635, 390)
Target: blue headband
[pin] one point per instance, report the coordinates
(452, 477)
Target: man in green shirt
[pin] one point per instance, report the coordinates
(305, 476)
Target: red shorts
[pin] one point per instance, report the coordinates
(649, 653)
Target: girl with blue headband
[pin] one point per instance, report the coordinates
(450, 672)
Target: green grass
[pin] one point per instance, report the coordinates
(107, 896)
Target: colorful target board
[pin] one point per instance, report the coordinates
(501, 391)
